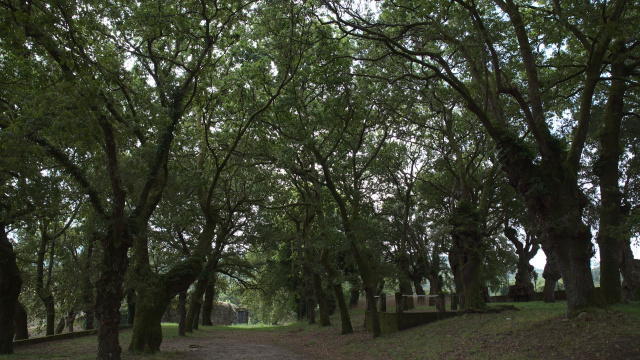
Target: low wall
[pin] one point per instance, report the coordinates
(69, 335)
(559, 295)
(391, 322)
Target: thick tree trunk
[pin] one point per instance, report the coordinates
(606, 168)
(109, 295)
(571, 243)
(191, 321)
(368, 284)
(406, 289)
(323, 307)
(336, 285)
(522, 290)
(467, 240)
(434, 288)
(152, 301)
(10, 285)
(454, 263)
(154, 294)
(207, 306)
(20, 320)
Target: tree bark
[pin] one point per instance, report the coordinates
(630, 269)
(10, 285)
(606, 168)
(454, 263)
(551, 275)
(132, 299)
(20, 320)
(60, 326)
(336, 285)
(323, 307)
(467, 240)
(182, 308)
(88, 299)
(109, 294)
(191, 321)
(523, 289)
(154, 294)
(207, 306)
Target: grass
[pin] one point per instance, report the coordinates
(534, 331)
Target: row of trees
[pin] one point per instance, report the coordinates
(150, 148)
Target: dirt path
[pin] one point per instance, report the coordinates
(222, 347)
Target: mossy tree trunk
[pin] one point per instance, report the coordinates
(10, 285)
(154, 294)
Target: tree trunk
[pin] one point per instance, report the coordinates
(368, 284)
(191, 321)
(109, 294)
(454, 263)
(573, 249)
(60, 327)
(20, 320)
(10, 285)
(131, 306)
(69, 321)
(50, 311)
(154, 294)
(434, 288)
(323, 307)
(522, 290)
(354, 292)
(207, 306)
(467, 240)
(88, 299)
(406, 289)
(152, 301)
(550, 274)
(310, 304)
(630, 269)
(336, 285)
(606, 168)
(182, 308)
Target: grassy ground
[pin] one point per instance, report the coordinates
(535, 331)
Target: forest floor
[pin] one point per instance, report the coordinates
(535, 331)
